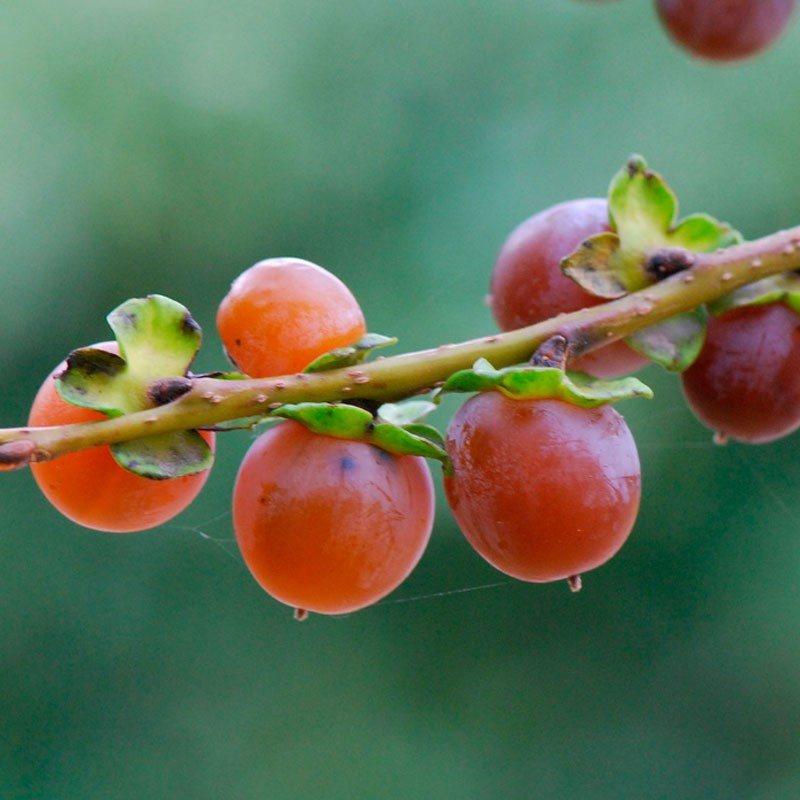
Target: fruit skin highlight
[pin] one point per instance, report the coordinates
(527, 285)
(745, 384)
(330, 525)
(90, 488)
(542, 489)
(282, 313)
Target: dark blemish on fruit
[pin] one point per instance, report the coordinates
(347, 463)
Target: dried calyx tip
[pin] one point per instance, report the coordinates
(664, 263)
(15, 455)
(165, 390)
(551, 353)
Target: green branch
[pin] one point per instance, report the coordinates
(213, 401)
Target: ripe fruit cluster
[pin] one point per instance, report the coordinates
(745, 382)
(333, 505)
(330, 525)
(725, 30)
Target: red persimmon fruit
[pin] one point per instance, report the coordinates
(90, 487)
(330, 525)
(542, 489)
(745, 384)
(282, 313)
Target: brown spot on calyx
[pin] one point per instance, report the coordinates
(551, 353)
(189, 325)
(664, 263)
(165, 390)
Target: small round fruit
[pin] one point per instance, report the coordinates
(282, 313)
(725, 30)
(90, 488)
(527, 285)
(330, 525)
(745, 384)
(542, 489)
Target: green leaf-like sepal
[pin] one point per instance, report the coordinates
(674, 343)
(641, 206)
(344, 421)
(329, 419)
(642, 213)
(223, 376)
(784, 287)
(524, 382)
(157, 339)
(157, 336)
(92, 380)
(166, 455)
(593, 266)
(701, 233)
(405, 413)
(352, 355)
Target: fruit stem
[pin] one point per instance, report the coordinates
(211, 401)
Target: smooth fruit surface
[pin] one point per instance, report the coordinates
(90, 488)
(527, 285)
(725, 30)
(282, 313)
(330, 525)
(542, 489)
(745, 384)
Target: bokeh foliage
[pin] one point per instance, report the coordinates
(164, 147)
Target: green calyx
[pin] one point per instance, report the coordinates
(157, 341)
(643, 217)
(646, 244)
(675, 343)
(783, 288)
(352, 355)
(545, 383)
(395, 428)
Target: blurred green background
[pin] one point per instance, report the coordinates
(164, 147)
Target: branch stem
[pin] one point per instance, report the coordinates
(212, 401)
